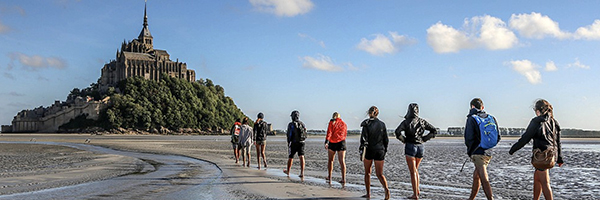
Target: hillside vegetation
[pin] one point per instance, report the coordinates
(170, 103)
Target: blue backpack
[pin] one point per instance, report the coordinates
(489, 131)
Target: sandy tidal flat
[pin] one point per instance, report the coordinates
(511, 176)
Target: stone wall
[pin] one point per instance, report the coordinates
(51, 122)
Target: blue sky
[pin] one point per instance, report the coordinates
(324, 56)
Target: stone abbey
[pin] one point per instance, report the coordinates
(139, 58)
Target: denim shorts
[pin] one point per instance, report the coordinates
(414, 150)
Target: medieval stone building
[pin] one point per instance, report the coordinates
(139, 58)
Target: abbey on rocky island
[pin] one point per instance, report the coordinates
(136, 58)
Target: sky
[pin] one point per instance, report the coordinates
(320, 57)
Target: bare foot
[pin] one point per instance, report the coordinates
(368, 196)
(413, 197)
(301, 175)
(265, 165)
(343, 181)
(258, 167)
(387, 194)
(286, 172)
(328, 179)
(237, 161)
(248, 165)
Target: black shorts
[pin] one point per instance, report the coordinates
(340, 146)
(375, 154)
(295, 147)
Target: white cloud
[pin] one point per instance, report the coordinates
(527, 69)
(384, 45)
(322, 62)
(286, 8)
(578, 64)
(550, 66)
(37, 62)
(535, 25)
(493, 33)
(320, 42)
(478, 32)
(591, 32)
(445, 39)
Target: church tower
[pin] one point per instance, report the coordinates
(145, 37)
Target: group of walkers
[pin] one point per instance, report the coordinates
(481, 135)
(243, 136)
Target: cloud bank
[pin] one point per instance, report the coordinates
(283, 8)
(478, 32)
(382, 44)
(493, 34)
(36, 62)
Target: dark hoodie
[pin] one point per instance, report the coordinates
(540, 141)
(374, 134)
(472, 133)
(294, 133)
(414, 127)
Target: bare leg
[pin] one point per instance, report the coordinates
(368, 164)
(381, 177)
(301, 166)
(476, 184)
(412, 168)
(236, 154)
(542, 179)
(262, 151)
(485, 183)
(258, 152)
(248, 155)
(342, 159)
(289, 166)
(418, 162)
(330, 154)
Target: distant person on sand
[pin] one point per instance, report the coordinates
(245, 142)
(235, 138)
(413, 127)
(545, 132)
(375, 138)
(479, 156)
(335, 141)
(260, 138)
(296, 134)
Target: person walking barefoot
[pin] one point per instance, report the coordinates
(245, 142)
(260, 138)
(375, 138)
(545, 132)
(335, 141)
(413, 127)
(296, 134)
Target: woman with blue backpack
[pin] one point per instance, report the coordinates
(414, 127)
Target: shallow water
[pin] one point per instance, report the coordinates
(162, 177)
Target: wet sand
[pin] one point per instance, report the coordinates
(511, 176)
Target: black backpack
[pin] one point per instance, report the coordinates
(299, 132)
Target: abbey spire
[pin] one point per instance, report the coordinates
(145, 36)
